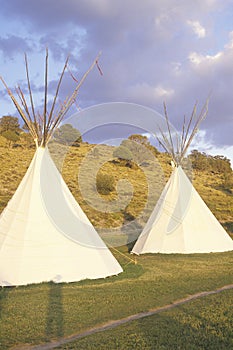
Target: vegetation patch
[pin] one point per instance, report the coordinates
(47, 311)
(191, 326)
(105, 183)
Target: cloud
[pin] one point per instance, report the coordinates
(229, 45)
(150, 52)
(204, 143)
(162, 92)
(197, 28)
(12, 45)
(197, 58)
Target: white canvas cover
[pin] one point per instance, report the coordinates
(181, 222)
(45, 235)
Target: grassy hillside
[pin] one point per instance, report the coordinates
(13, 165)
(138, 199)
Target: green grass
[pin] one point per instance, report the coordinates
(191, 326)
(40, 313)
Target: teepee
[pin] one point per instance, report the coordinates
(44, 234)
(181, 222)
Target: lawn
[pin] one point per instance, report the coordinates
(202, 324)
(44, 312)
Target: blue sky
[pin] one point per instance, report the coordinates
(152, 51)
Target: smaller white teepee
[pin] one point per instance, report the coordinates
(181, 222)
(44, 234)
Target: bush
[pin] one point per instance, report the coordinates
(11, 136)
(216, 164)
(123, 152)
(124, 155)
(105, 183)
(68, 135)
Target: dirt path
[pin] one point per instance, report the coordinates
(115, 323)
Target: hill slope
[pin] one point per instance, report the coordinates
(133, 200)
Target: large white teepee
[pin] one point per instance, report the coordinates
(44, 234)
(181, 222)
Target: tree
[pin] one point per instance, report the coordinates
(123, 153)
(68, 135)
(143, 140)
(8, 123)
(222, 164)
(11, 137)
(35, 125)
(26, 140)
(228, 181)
(138, 146)
(199, 160)
(215, 164)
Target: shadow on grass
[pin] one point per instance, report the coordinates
(4, 291)
(132, 229)
(183, 328)
(224, 190)
(54, 320)
(228, 226)
(168, 332)
(130, 270)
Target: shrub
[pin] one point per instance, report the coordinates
(124, 155)
(216, 164)
(123, 152)
(68, 135)
(11, 136)
(105, 183)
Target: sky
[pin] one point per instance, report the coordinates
(177, 52)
